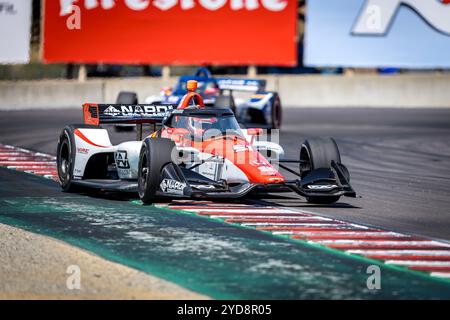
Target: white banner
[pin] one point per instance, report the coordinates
(15, 29)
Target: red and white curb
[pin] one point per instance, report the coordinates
(393, 248)
(36, 163)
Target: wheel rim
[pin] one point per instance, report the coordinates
(305, 161)
(143, 176)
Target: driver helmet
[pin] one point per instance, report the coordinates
(198, 125)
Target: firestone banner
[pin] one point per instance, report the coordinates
(378, 33)
(236, 32)
(15, 28)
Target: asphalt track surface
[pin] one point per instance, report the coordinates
(399, 160)
(205, 255)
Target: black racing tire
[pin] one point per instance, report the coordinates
(126, 97)
(318, 153)
(276, 112)
(65, 156)
(154, 155)
(323, 200)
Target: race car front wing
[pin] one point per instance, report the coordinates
(180, 182)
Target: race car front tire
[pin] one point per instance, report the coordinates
(323, 200)
(154, 155)
(318, 153)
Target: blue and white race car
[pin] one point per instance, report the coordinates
(262, 109)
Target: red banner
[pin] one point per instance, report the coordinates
(232, 32)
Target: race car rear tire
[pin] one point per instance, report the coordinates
(276, 112)
(65, 156)
(154, 155)
(126, 97)
(318, 153)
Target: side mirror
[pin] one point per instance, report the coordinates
(178, 131)
(254, 131)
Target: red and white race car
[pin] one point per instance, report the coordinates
(194, 152)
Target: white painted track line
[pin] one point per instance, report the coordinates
(280, 211)
(418, 263)
(402, 252)
(274, 217)
(440, 274)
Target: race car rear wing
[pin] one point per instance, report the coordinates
(96, 114)
(235, 84)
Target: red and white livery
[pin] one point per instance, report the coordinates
(193, 152)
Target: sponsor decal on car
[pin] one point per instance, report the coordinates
(137, 110)
(83, 150)
(241, 148)
(7, 8)
(322, 187)
(121, 158)
(111, 111)
(172, 186)
(240, 84)
(77, 173)
(205, 187)
(266, 170)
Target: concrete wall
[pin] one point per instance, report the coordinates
(420, 90)
(48, 94)
(415, 90)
